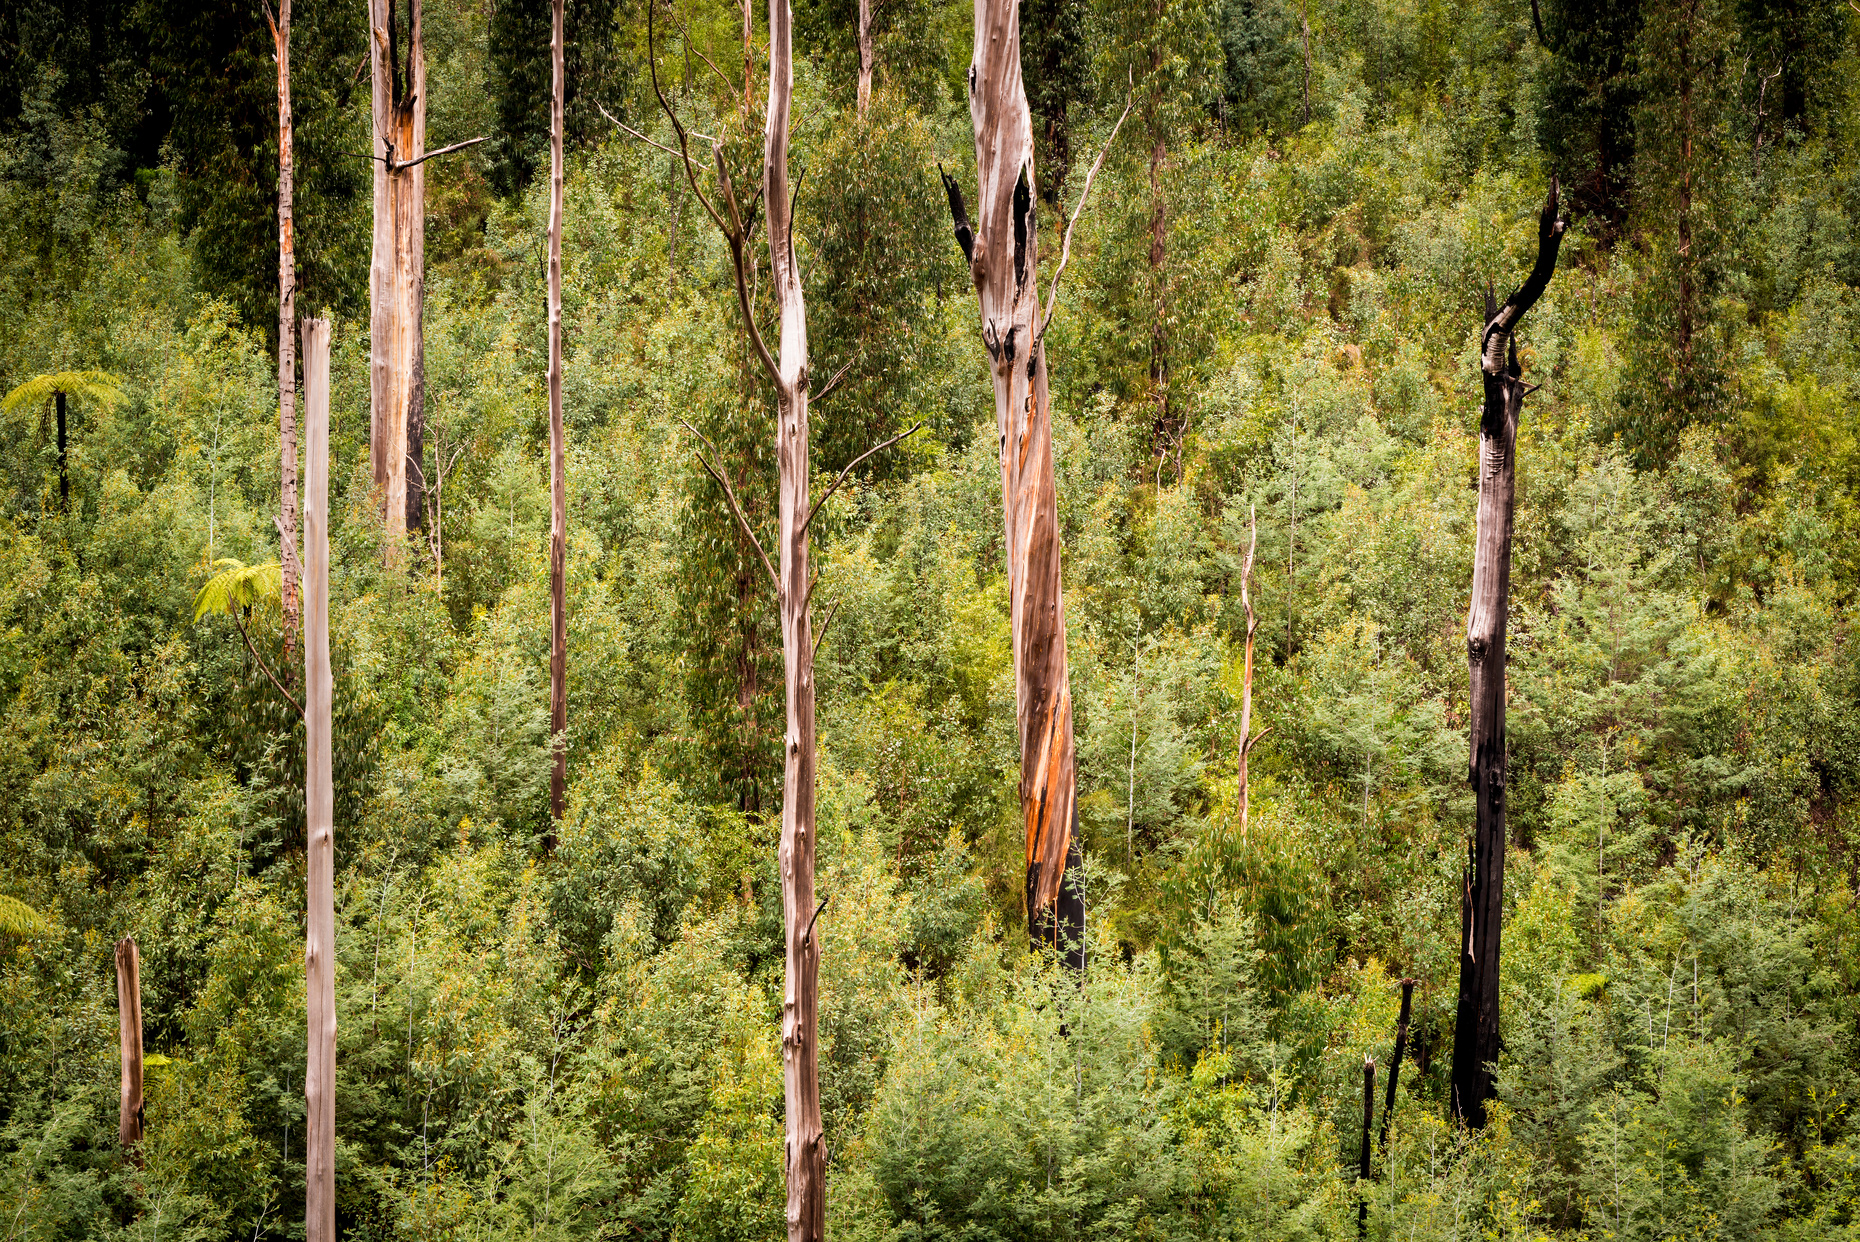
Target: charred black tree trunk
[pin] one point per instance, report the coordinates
(1401, 1044)
(1362, 1169)
(64, 479)
(1475, 1035)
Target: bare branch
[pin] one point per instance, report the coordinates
(832, 611)
(421, 159)
(737, 234)
(729, 494)
(240, 622)
(684, 144)
(685, 29)
(1065, 247)
(835, 486)
(833, 383)
(629, 129)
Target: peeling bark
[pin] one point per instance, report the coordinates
(397, 273)
(1003, 252)
(867, 10)
(287, 344)
(1476, 1033)
(804, 1148)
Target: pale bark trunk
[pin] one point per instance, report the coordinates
(129, 1039)
(558, 460)
(1476, 1029)
(319, 804)
(805, 1150)
(1004, 253)
(287, 347)
(865, 57)
(397, 274)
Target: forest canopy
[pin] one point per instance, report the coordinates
(1268, 336)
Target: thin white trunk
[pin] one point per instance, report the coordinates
(558, 460)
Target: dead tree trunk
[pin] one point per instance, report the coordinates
(1401, 1044)
(1476, 1035)
(319, 804)
(287, 344)
(1003, 253)
(805, 1152)
(1362, 1163)
(129, 1039)
(866, 11)
(558, 459)
(397, 273)
(64, 477)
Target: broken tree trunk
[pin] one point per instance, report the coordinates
(864, 98)
(397, 273)
(287, 345)
(558, 460)
(1475, 1034)
(319, 805)
(1401, 1044)
(1003, 253)
(129, 1039)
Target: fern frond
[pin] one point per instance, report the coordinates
(19, 919)
(98, 386)
(238, 585)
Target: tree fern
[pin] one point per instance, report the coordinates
(99, 386)
(238, 586)
(19, 919)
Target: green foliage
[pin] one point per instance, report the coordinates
(586, 1043)
(238, 586)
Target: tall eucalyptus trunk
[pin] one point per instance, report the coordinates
(287, 345)
(1002, 247)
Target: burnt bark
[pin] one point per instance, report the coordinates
(1476, 1029)
(1401, 1043)
(1362, 1162)
(64, 477)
